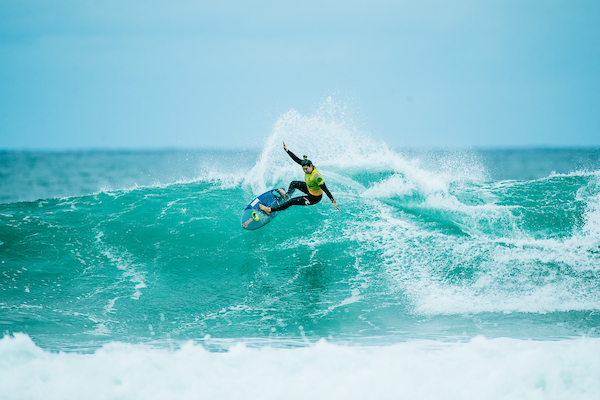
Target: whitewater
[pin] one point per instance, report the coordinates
(446, 274)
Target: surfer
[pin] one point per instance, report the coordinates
(312, 187)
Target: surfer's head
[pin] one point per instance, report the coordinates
(307, 165)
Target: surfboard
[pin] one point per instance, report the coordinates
(253, 217)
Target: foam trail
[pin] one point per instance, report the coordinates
(499, 264)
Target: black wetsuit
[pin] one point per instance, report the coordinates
(306, 200)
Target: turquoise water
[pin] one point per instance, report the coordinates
(452, 256)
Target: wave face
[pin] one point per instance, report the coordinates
(428, 245)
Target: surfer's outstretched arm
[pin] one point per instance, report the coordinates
(292, 155)
(328, 193)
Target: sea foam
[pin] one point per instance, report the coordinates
(478, 369)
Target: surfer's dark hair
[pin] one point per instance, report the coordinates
(306, 162)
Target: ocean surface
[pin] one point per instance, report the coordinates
(447, 274)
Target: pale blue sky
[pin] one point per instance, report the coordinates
(137, 74)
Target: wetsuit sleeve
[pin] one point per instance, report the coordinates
(327, 192)
(293, 156)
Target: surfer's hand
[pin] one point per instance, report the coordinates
(335, 205)
(284, 148)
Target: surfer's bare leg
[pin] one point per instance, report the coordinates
(265, 209)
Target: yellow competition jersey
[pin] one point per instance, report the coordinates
(314, 180)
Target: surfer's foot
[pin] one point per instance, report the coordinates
(265, 209)
(283, 193)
